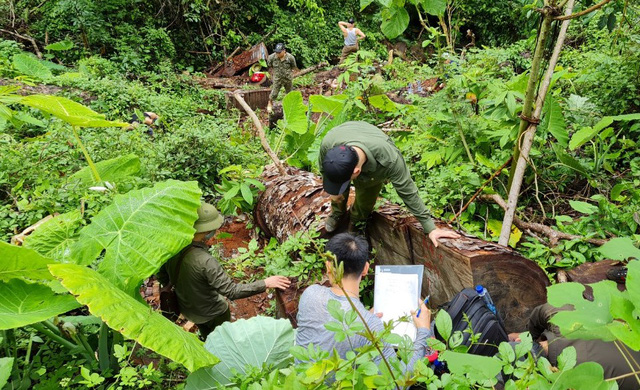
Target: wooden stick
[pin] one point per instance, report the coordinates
(263, 139)
(552, 234)
(26, 38)
(311, 69)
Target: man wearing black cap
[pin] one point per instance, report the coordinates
(362, 153)
(281, 65)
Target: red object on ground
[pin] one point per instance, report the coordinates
(257, 77)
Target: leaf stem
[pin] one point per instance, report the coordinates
(92, 166)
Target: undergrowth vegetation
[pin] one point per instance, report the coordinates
(452, 101)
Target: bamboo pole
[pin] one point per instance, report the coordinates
(529, 135)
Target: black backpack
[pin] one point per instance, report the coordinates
(482, 321)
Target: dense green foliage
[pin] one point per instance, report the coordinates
(120, 57)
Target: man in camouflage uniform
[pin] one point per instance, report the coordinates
(281, 65)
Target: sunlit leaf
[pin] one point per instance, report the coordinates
(23, 263)
(477, 368)
(553, 121)
(133, 319)
(583, 207)
(54, 237)
(620, 248)
(295, 113)
(589, 319)
(25, 303)
(111, 170)
(6, 364)
(332, 105)
(139, 231)
(434, 7)
(30, 66)
(69, 111)
(60, 45)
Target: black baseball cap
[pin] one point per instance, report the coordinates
(351, 21)
(279, 47)
(337, 168)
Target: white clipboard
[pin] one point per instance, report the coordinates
(396, 293)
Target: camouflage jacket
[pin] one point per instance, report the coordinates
(282, 69)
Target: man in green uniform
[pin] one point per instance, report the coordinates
(201, 283)
(362, 153)
(281, 65)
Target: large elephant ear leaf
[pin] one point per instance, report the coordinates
(24, 303)
(111, 170)
(54, 237)
(139, 231)
(133, 319)
(22, 263)
(253, 342)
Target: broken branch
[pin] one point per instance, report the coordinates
(263, 139)
(553, 235)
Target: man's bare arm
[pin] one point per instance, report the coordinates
(343, 27)
(360, 34)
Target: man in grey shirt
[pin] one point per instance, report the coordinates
(353, 252)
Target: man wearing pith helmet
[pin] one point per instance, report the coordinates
(201, 283)
(361, 153)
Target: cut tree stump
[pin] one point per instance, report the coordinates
(293, 203)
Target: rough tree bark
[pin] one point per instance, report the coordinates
(517, 285)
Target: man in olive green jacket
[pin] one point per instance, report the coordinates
(362, 153)
(201, 283)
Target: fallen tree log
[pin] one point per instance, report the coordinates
(294, 202)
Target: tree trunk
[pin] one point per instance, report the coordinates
(293, 203)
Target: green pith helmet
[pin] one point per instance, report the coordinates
(209, 218)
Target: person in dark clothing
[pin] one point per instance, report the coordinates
(615, 361)
(201, 284)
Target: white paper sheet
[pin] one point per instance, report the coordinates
(395, 296)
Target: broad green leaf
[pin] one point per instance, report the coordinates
(140, 230)
(620, 248)
(588, 375)
(110, 170)
(365, 3)
(585, 134)
(633, 283)
(583, 207)
(444, 325)
(553, 121)
(477, 368)
(60, 46)
(569, 161)
(589, 319)
(567, 358)
(26, 118)
(295, 113)
(30, 66)
(434, 7)
(253, 342)
(332, 105)
(246, 193)
(383, 103)
(394, 21)
(133, 319)
(6, 364)
(25, 303)
(54, 237)
(626, 326)
(69, 111)
(581, 137)
(22, 263)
